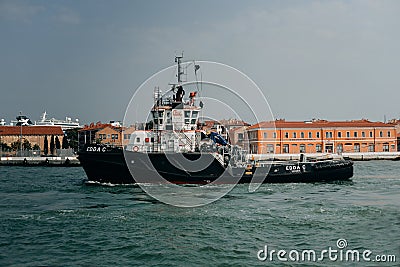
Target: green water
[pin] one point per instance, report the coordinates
(50, 217)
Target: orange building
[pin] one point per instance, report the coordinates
(105, 133)
(317, 136)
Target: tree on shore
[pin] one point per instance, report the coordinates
(52, 145)
(36, 147)
(72, 137)
(58, 144)
(46, 145)
(26, 145)
(65, 144)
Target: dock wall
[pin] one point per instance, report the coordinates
(40, 161)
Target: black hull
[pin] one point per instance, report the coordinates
(117, 167)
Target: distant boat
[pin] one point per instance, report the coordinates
(66, 124)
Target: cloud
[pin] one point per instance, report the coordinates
(19, 11)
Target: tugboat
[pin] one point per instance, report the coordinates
(175, 151)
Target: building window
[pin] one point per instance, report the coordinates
(309, 134)
(388, 133)
(380, 134)
(363, 134)
(240, 136)
(317, 134)
(127, 136)
(385, 147)
(355, 134)
(108, 136)
(356, 147)
(274, 134)
(265, 135)
(318, 148)
(328, 148)
(270, 148)
(302, 135)
(302, 148)
(339, 148)
(286, 135)
(294, 135)
(339, 134)
(371, 148)
(348, 134)
(328, 134)
(286, 148)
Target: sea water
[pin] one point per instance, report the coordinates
(51, 217)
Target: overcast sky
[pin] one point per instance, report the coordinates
(335, 60)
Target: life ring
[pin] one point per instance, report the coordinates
(136, 148)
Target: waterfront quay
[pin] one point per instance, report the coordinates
(359, 156)
(40, 161)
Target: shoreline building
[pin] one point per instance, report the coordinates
(112, 133)
(35, 135)
(321, 136)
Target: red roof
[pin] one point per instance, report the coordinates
(319, 124)
(31, 130)
(98, 126)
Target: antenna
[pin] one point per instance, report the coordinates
(178, 59)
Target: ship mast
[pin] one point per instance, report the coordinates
(178, 60)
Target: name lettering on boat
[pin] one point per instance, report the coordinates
(293, 168)
(96, 149)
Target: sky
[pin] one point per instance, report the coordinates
(334, 60)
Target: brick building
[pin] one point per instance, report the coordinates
(34, 134)
(316, 136)
(105, 133)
